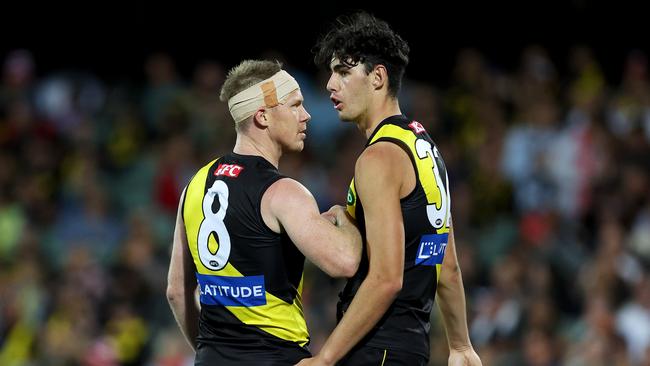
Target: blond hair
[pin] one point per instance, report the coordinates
(247, 74)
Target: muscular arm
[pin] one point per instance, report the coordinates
(451, 301)
(336, 249)
(181, 283)
(379, 190)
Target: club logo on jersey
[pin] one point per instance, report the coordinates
(232, 291)
(228, 170)
(432, 249)
(417, 127)
(351, 197)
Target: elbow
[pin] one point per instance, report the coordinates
(346, 272)
(450, 275)
(338, 270)
(389, 287)
(344, 267)
(340, 266)
(173, 294)
(349, 266)
(349, 263)
(393, 287)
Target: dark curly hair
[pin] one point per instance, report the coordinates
(362, 38)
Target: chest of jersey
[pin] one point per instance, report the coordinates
(426, 211)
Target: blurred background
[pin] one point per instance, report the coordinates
(541, 111)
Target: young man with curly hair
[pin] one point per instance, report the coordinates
(399, 197)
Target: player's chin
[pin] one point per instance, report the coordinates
(298, 146)
(345, 117)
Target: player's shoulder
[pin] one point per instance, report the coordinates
(381, 155)
(204, 169)
(381, 165)
(286, 190)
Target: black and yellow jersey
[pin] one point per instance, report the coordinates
(426, 215)
(250, 278)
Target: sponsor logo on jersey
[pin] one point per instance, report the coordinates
(232, 291)
(417, 127)
(432, 249)
(228, 170)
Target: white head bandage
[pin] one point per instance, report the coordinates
(266, 93)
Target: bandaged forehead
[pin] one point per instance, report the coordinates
(268, 93)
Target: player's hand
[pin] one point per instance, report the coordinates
(313, 361)
(329, 216)
(339, 213)
(334, 214)
(467, 357)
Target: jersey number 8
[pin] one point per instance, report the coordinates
(213, 223)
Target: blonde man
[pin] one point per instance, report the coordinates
(243, 231)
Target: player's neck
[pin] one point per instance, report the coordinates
(378, 112)
(257, 146)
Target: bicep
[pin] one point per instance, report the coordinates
(181, 268)
(297, 213)
(379, 190)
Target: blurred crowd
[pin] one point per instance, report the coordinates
(550, 191)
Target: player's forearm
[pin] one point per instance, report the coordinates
(451, 300)
(351, 247)
(370, 303)
(186, 313)
(335, 255)
(340, 252)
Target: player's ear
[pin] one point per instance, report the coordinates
(261, 117)
(379, 76)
